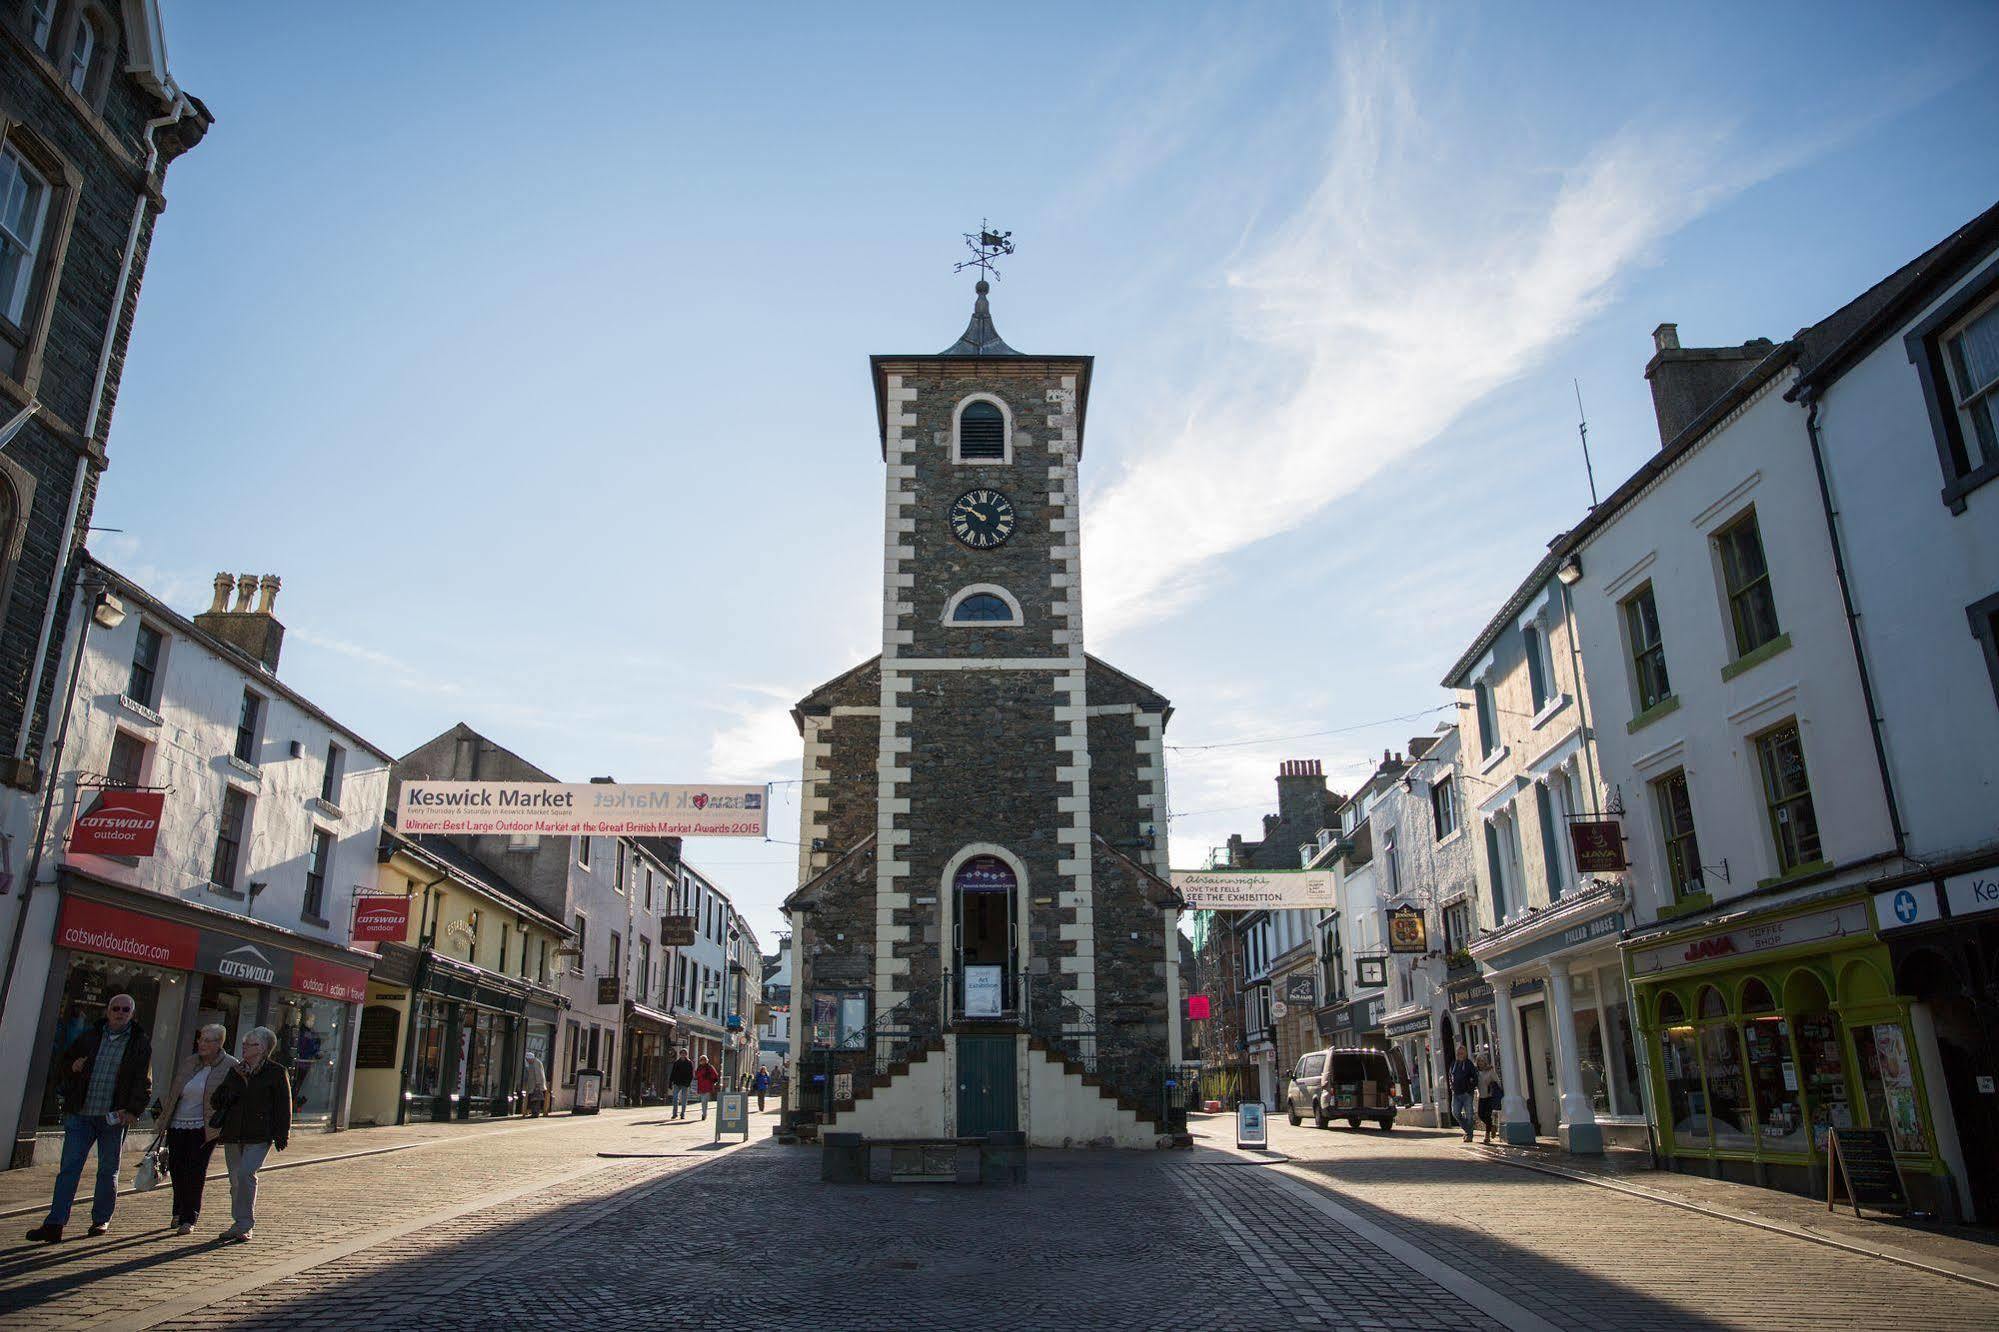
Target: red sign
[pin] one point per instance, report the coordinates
(1719, 946)
(119, 822)
(1599, 845)
(95, 928)
(381, 918)
(1197, 1007)
(327, 981)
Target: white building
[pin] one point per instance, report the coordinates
(717, 982)
(1548, 925)
(269, 813)
(1733, 722)
(1901, 409)
(774, 1034)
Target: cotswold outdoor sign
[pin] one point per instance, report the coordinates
(1255, 890)
(572, 808)
(121, 821)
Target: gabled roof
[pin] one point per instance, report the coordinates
(1163, 895)
(797, 898)
(1833, 345)
(1145, 695)
(1511, 607)
(438, 852)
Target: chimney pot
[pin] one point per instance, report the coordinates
(246, 587)
(223, 584)
(267, 589)
(1666, 337)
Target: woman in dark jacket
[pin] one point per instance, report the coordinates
(253, 1114)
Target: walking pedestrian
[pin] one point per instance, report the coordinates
(1464, 1089)
(1488, 1101)
(189, 1102)
(253, 1114)
(681, 1077)
(535, 1078)
(107, 1080)
(706, 1081)
(762, 1085)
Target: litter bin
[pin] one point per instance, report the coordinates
(589, 1091)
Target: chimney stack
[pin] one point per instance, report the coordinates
(1686, 381)
(255, 633)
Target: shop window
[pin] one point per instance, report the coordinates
(427, 1068)
(1888, 1080)
(1686, 1100)
(1756, 997)
(575, 1055)
(1710, 1004)
(310, 1030)
(1823, 1067)
(87, 990)
(1731, 1120)
(1773, 1079)
(1787, 796)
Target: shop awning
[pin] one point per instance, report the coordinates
(651, 1017)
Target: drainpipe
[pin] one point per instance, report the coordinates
(174, 115)
(1853, 625)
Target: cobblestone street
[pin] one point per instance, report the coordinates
(626, 1221)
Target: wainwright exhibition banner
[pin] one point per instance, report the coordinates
(573, 808)
(1255, 890)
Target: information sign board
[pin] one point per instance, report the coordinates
(732, 1115)
(1250, 1128)
(1865, 1162)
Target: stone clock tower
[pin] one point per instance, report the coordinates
(983, 932)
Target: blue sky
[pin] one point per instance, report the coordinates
(528, 343)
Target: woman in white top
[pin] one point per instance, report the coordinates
(189, 1102)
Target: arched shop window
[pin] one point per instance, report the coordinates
(1711, 1004)
(1669, 1008)
(1756, 997)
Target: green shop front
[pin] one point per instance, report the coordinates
(1763, 1029)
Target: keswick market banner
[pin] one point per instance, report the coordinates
(572, 808)
(1255, 890)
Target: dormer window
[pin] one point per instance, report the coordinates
(982, 432)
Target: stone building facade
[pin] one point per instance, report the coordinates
(984, 935)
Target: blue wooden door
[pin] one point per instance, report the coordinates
(986, 1101)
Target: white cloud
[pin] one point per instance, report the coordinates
(760, 742)
(1423, 269)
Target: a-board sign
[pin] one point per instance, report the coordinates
(1865, 1161)
(732, 1115)
(1250, 1128)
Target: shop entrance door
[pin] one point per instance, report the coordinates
(986, 1101)
(1544, 1100)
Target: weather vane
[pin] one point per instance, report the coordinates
(986, 245)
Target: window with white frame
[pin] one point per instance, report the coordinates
(41, 22)
(1488, 719)
(1443, 807)
(24, 208)
(1540, 669)
(1971, 363)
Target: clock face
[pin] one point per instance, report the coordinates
(982, 519)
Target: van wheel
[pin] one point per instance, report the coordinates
(1386, 1124)
(1319, 1118)
(1353, 1123)
(1293, 1117)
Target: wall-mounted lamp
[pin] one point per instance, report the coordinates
(1570, 570)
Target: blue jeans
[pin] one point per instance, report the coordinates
(1461, 1110)
(680, 1101)
(79, 1135)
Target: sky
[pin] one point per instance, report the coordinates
(528, 343)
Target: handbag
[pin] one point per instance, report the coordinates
(152, 1165)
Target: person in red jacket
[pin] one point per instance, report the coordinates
(706, 1080)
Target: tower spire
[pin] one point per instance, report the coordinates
(980, 338)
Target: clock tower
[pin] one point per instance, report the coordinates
(984, 935)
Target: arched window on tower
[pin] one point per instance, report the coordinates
(982, 604)
(981, 432)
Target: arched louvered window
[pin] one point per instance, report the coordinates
(981, 433)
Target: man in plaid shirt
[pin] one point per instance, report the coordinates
(107, 1079)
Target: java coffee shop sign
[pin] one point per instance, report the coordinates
(582, 808)
(1255, 890)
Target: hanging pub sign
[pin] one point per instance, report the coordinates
(1301, 988)
(1256, 890)
(121, 821)
(1598, 844)
(1408, 930)
(581, 808)
(676, 931)
(1370, 971)
(607, 989)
